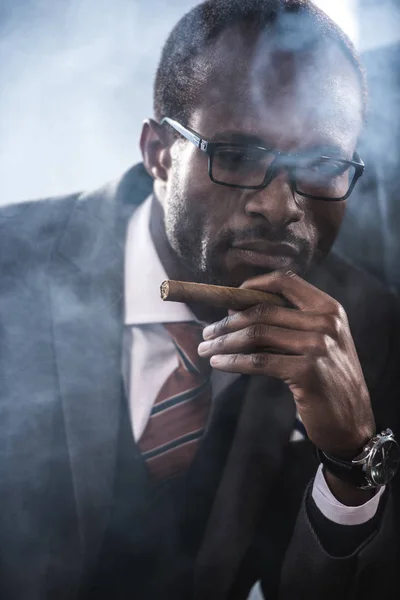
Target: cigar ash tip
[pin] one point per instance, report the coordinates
(164, 290)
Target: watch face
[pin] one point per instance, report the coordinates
(385, 462)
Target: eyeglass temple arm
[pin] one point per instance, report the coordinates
(358, 161)
(187, 133)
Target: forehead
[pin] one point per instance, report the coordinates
(290, 100)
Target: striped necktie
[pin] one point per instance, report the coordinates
(180, 412)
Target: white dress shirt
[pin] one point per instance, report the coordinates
(152, 356)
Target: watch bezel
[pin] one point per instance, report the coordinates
(365, 460)
(371, 466)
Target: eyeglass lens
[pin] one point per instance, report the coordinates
(316, 176)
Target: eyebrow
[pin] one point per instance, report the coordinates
(239, 138)
(330, 150)
(243, 138)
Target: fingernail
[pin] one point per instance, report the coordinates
(215, 360)
(203, 347)
(208, 332)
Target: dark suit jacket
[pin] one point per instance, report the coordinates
(61, 292)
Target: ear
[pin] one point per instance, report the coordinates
(155, 145)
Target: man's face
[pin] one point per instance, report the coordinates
(224, 235)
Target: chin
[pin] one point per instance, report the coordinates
(234, 277)
(234, 273)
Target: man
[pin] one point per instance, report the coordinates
(129, 467)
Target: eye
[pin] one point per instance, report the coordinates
(234, 159)
(321, 170)
(323, 177)
(326, 168)
(243, 159)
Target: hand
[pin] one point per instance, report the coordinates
(317, 360)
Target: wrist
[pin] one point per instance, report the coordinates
(373, 468)
(350, 448)
(347, 493)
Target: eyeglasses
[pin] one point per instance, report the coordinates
(251, 167)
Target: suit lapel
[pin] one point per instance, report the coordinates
(256, 455)
(87, 310)
(87, 306)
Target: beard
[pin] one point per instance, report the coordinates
(202, 248)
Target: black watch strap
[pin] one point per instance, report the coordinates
(343, 470)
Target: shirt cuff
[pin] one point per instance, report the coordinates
(337, 512)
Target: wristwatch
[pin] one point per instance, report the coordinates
(374, 467)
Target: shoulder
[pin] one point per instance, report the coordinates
(43, 219)
(47, 215)
(38, 215)
(29, 230)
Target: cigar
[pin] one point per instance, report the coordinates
(216, 295)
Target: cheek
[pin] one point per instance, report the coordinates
(190, 167)
(211, 203)
(327, 218)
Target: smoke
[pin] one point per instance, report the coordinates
(75, 86)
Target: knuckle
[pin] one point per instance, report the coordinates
(219, 342)
(336, 324)
(339, 312)
(258, 361)
(222, 325)
(263, 311)
(331, 324)
(235, 358)
(313, 345)
(256, 333)
(324, 342)
(319, 344)
(342, 315)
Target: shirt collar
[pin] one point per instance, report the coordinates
(144, 274)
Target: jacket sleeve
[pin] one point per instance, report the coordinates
(330, 561)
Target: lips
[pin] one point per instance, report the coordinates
(262, 253)
(266, 247)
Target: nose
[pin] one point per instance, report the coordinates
(276, 203)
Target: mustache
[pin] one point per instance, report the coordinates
(278, 236)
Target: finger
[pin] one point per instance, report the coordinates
(261, 337)
(299, 292)
(276, 316)
(274, 365)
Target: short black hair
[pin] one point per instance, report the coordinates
(177, 81)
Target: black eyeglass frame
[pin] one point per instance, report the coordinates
(210, 147)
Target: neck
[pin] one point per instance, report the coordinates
(173, 265)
